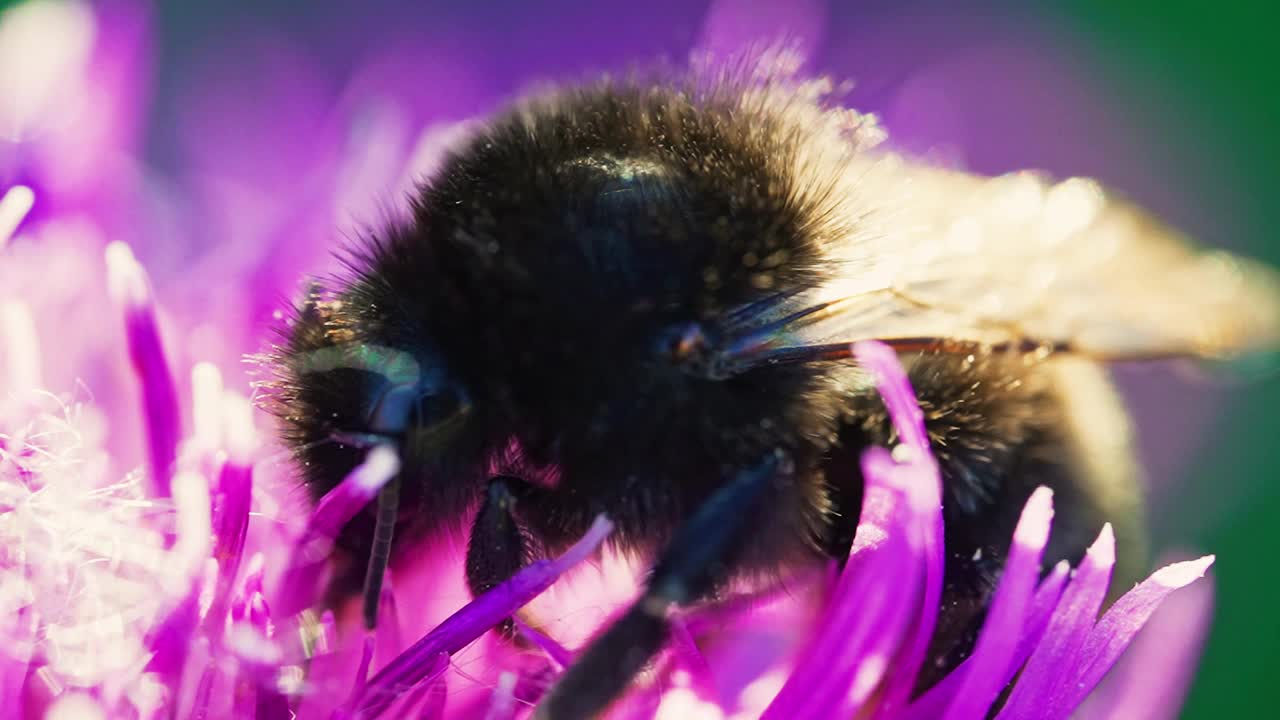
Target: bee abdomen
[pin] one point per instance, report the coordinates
(1002, 426)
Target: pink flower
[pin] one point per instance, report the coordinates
(156, 559)
(152, 593)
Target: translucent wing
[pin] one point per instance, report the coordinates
(1019, 260)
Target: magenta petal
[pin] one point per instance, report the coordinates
(271, 705)
(1121, 623)
(463, 627)
(341, 504)
(502, 706)
(559, 654)
(908, 420)
(1045, 601)
(1043, 686)
(895, 389)
(1007, 615)
(15, 202)
(939, 697)
(902, 681)
(868, 610)
(171, 639)
(251, 639)
(231, 524)
(690, 659)
(307, 561)
(431, 693)
(389, 640)
(204, 691)
(15, 656)
(159, 396)
(362, 670)
(1154, 674)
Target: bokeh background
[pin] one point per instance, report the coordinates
(233, 144)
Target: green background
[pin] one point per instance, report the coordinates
(1219, 61)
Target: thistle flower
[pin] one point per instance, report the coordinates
(155, 562)
(149, 595)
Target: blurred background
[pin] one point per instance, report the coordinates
(233, 144)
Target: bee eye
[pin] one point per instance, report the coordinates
(397, 408)
(389, 392)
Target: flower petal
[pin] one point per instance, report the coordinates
(469, 623)
(1121, 623)
(1152, 678)
(936, 700)
(159, 396)
(870, 608)
(231, 524)
(1042, 689)
(307, 562)
(1007, 615)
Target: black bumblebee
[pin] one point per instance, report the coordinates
(637, 298)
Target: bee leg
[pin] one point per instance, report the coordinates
(496, 549)
(687, 570)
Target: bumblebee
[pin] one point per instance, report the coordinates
(637, 297)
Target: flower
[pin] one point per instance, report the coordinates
(154, 559)
(126, 594)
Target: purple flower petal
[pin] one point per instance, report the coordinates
(271, 705)
(870, 607)
(1007, 614)
(204, 692)
(362, 672)
(690, 660)
(1042, 687)
(937, 699)
(559, 654)
(15, 656)
(388, 641)
(432, 692)
(307, 562)
(171, 638)
(469, 623)
(1117, 628)
(251, 639)
(1153, 677)
(15, 203)
(895, 389)
(502, 706)
(908, 420)
(231, 524)
(159, 396)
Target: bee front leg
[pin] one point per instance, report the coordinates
(688, 569)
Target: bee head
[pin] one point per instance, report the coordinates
(567, 267)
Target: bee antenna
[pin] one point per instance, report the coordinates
(737, 360)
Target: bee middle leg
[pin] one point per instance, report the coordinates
(687, 570)
(496, 549)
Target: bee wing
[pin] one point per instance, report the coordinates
(1016, 259)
